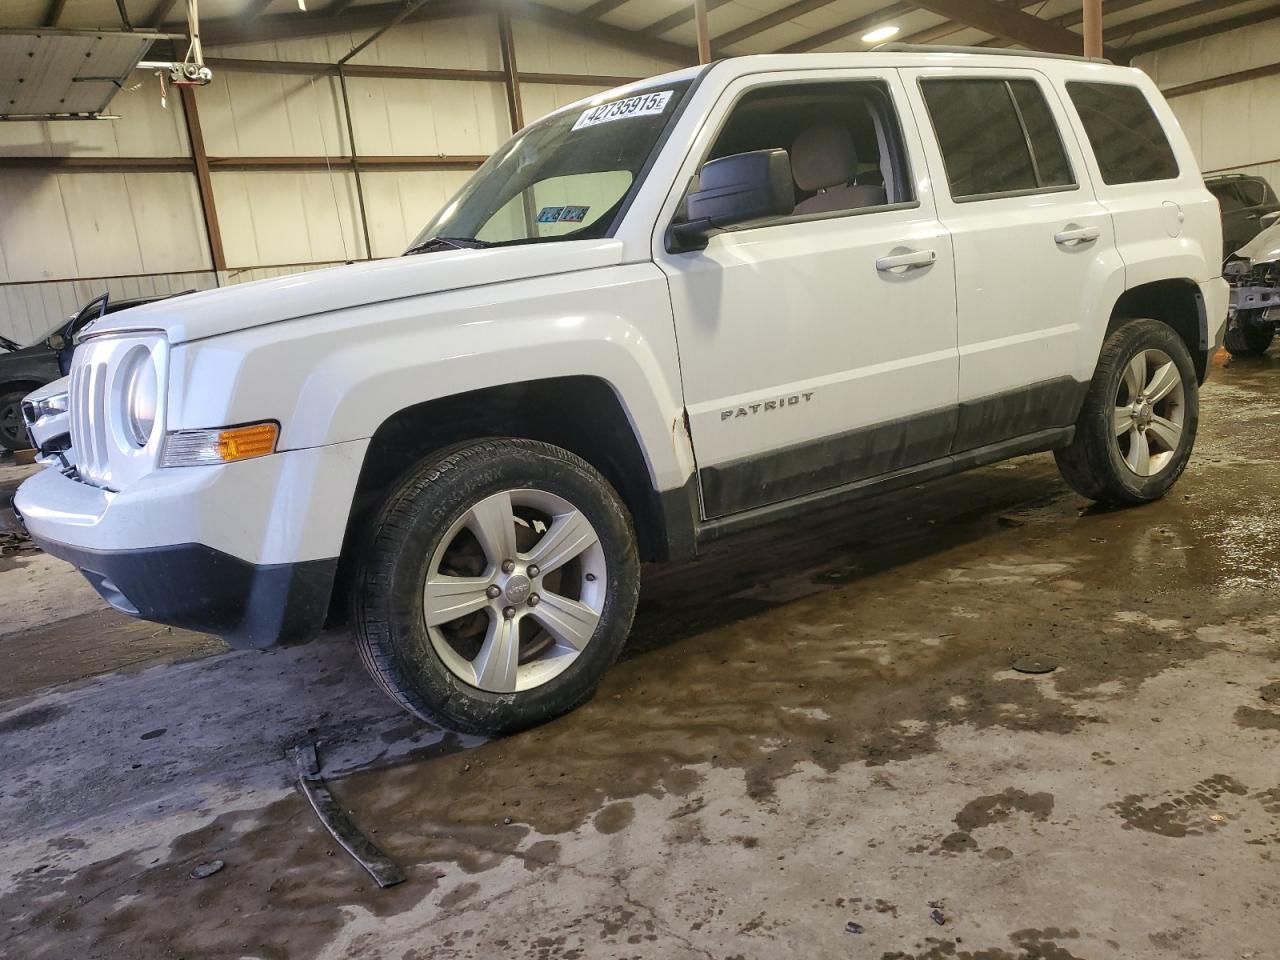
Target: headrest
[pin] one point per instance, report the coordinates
(822, 157)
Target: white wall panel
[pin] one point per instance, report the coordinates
(427, 117)
(280, 217)
(543, 49)
(1235, 127)
(145, 129)
(264, 115)
(1226, 53)
(469, 43)
(99, 224)
(32, 207)
(539, 99)
(401, 202)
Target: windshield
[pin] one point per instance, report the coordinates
(567, 177)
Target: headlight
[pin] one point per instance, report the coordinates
(141, 396)
(191, 448)
(37, 408)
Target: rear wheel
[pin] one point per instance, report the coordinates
(13, 432)
(499, 586)
(1247, 335)
(1138, 423)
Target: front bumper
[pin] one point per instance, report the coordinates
(246, 551)
(198, 588)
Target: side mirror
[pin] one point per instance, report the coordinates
(1269, 219)
(734, 190)
(56, 342)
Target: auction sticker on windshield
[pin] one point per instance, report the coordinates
(645, 105)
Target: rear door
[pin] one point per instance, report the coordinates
(1033, 246)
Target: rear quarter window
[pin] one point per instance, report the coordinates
(1127, 139)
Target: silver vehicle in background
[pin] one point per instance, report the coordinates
(1254, 274)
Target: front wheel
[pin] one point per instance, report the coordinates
(13, 431)
(499, 586)
(1247, 336)
(1138, 423)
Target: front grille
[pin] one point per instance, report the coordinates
(88, 403)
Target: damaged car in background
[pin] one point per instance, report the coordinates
(1254, 274)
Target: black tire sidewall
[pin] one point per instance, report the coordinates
(1134, 336)
(20, 439)
(424, 512)
(1248, 335)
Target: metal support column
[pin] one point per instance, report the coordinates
(1092, 28)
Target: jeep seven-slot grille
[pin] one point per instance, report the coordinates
(87, 400)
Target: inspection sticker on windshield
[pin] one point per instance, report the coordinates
(645, 105)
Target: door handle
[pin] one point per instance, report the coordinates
(1074, 236)
(910, 260)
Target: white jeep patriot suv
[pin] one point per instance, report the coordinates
(674, 311)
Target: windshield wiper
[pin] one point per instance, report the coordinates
(7, 344)
(448, 243)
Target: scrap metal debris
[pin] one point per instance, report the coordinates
(381, 867)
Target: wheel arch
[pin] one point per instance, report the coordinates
(1176, 302)
(20, 384)
(582, 414)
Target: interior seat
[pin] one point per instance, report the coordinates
(824, 158)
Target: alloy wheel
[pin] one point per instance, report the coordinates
(514, 590)
(1149, 412)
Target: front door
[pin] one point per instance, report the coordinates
(818, 349)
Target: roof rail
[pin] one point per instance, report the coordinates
(985, 51)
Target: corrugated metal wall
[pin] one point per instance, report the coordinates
(1235, 128)
(135, 232)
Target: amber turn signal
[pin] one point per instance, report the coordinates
(241, 443)
(193, 448)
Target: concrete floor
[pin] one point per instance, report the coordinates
(814, 727)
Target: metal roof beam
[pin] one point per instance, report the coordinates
(778, 17)
(53, 13)
(1008, 22)
(1166, 17)
(1203, 31)
(677, 19)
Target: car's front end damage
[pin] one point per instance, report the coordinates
(1254, 308)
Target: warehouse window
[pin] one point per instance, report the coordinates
(1127, 139)
(997, 137)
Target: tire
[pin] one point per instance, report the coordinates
(1246, 336)
(1106, 461)
(13, 430)
(437, 651)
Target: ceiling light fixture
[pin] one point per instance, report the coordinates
(880, 33)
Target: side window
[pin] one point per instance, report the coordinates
(1228, 197)
(997, 136)
(843, 139)
(1253, 192)
(1127, 139)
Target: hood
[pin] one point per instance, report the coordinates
(1264, 248)
(37, 351)
(228, 309)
